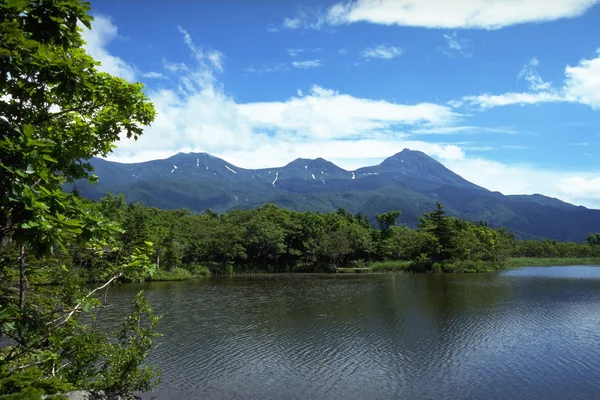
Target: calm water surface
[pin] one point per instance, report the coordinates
(531, 333)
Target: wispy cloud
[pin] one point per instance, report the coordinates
(154, 75)
(530, 74)
(451, 130)
(478, 148)
(456, 46)
(266, 69)
(291, 23)
(174, 67)
(382, 51)
(486, 101)
(214, 57)
(297, 52)
(306, 18)
(306, 64)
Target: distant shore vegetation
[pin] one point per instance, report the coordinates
(184, 245)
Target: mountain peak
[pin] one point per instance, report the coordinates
(408, 155)
(312, 163)
(419, 167)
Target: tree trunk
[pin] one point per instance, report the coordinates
(5, 231)
(22, 277)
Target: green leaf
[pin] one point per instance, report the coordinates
(28, 130)
(17, 4)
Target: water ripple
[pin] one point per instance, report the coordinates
(488, 336)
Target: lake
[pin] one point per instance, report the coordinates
(531, 333)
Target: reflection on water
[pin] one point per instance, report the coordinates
(532, 333)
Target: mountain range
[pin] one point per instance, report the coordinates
(409, 181)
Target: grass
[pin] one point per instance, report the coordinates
(180, 274)
(353, 270)
(390, 266)
(421, 266)
(547, 262)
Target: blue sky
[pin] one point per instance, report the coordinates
(504, 92)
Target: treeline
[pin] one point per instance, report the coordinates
(553, 249)
(272, 239)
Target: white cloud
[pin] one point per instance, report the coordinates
(456, 46)
(382, 51)
(581, 85)
(580, 188)
(583, 82)
(197, 115)
(348, 154)
(306, 64)
(154, 75)
(104, 31)
(479, 14)
(326, 114)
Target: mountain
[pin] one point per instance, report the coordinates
(409, 181)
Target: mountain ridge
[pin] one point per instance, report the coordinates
(410, 181)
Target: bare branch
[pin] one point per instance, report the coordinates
(78, 306)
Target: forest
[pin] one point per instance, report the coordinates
(272, 239)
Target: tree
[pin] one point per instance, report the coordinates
(58, 111)
(439, 225)
(335, 245)
(593, 239)
(386, 220)
(407, 244)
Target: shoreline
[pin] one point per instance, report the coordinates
(380, 267)
(522, 262)
(377, 267)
